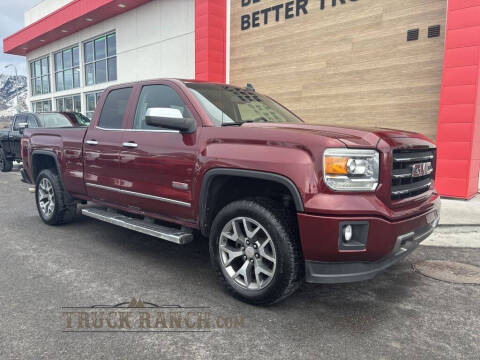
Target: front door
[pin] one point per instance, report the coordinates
(157, 164)
(102, 146)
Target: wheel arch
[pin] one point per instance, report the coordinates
(205, 215)
(44, 159)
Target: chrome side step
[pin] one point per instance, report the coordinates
(143, 226)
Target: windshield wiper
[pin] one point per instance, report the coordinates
(240, 123)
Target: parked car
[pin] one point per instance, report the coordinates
(10, 138)
(280, 200)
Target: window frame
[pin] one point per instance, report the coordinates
(34, 76)
(94, 61)
(73, 96)
(35, 103)
(64, 69)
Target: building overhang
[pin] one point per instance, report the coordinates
(73, 17)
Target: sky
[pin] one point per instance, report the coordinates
(11, 20)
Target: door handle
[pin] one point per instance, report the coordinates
(92, 142)
(129, 145)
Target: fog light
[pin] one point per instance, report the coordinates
(348, 233)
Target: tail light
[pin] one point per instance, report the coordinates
(23, 147)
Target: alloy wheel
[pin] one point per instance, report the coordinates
(46, 198)
(247, 253)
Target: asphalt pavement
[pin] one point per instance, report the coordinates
(399, 315)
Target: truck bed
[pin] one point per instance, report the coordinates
(67, 145)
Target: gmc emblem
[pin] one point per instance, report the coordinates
(421, 169)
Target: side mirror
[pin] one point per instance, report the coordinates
(22, 127)
(170, 119)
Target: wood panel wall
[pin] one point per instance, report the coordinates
(346, 65)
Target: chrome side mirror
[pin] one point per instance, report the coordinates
(169, 118)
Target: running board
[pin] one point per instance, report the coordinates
(148, 227)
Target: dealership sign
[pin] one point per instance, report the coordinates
(287, 10)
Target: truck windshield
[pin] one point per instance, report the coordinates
(228, 105)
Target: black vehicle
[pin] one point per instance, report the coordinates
(10, 138)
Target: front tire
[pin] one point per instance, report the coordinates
(55, 206)
(255, 251)
(5, 164)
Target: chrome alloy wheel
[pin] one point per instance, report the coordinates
(46, 198)
(247, 253)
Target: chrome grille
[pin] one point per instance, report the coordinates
(404, 183)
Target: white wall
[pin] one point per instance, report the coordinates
(42, 9)
(155, 40)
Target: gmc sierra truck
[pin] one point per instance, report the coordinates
(281, 201)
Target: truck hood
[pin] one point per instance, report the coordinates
(351, 136)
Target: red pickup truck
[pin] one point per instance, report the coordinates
(281, 201)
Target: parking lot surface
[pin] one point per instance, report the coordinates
(400, 314)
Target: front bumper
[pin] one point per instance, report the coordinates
(342, 272)
(327, 260)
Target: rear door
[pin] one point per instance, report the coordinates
(158, 165)
(102, 146)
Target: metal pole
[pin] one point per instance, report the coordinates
(16, 84)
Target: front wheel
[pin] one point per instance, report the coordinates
(55, 205)
(5, 164)
(255, 250)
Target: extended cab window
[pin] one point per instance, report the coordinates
(113, 110)
(157, 96)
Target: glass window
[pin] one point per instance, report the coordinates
(100, 48)
(68, 79)
(112, 69)
(157, 96)
(111, 45)
(42, 106)
(91, 100)
(101, 60)
(76, 78)
(113, 110)
(101, 71)
(69, 104)
(66, 66)
(40, 76)
(31, 121)
(75, 56)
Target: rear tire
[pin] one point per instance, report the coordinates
(55, 206)
(255, 251)
(5, 165)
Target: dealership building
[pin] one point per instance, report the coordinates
(404, 64)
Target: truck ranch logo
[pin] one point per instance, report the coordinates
(138, 316)
(287, 10)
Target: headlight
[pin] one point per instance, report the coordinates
(351, 169)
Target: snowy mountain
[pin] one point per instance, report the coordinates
(8, 101)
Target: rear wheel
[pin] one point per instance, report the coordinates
(55, 206)
(5, 165)
(255, 251)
